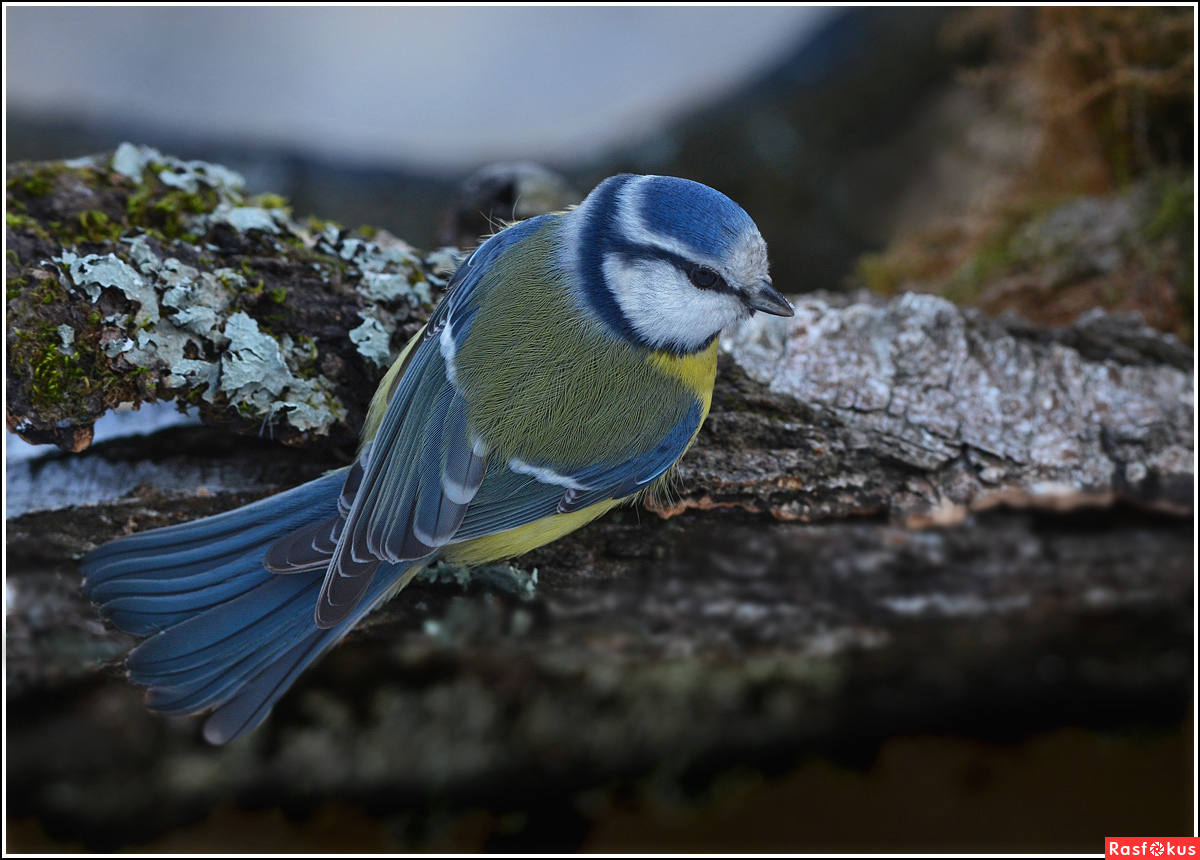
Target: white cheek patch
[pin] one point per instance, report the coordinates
(662, 305)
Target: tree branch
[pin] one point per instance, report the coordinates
(901, 517)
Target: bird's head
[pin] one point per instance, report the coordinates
(668, 262)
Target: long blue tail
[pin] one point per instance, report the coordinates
(226, 633)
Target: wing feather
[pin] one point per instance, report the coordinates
(424, 481)
(509, 500)
(397, 492)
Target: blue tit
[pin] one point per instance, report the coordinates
(567, 369)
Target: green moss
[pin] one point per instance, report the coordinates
(269, 201)
(57, 383)
(162, 211)
(277, 295)
(294, 242)
(45, 292)
(250, 286)
(139, 201)
(49, 291)
(38, 183)
(95, 226)
(20, 221)
(56, 378)
(305, 356)
(316, 225)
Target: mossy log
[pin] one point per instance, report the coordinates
(900, 518)
(137, 277)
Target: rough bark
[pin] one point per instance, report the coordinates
(136, 277)
(922, 411)
(900, 518)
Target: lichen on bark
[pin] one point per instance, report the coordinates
(901, 518)
(177, 285)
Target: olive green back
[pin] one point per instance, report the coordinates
(544, 384)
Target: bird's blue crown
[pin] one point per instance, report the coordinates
(656, 231)
(701, 218)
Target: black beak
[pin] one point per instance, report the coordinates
(770, 301)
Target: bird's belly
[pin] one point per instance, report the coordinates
(522, 539)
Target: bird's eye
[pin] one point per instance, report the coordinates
(704, 278)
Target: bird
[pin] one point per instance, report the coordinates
(566, 370)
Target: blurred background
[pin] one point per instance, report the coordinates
(1019, 160)
(889, 150)
(438, 89)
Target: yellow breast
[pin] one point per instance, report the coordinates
(697, 371)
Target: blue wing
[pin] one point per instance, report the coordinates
(424, 482)
(408, 493)
(521, 493)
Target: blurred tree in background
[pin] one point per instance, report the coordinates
(1082, 171)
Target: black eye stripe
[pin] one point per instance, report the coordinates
(700, 276)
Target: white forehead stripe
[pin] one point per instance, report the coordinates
(636, 230)
(748, 255)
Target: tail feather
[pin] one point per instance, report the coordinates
(182, 603)
(237, 523)
(254, 699)
(111, 589)
(213, 684)
(180, 558)
(231, 630)
(225, 632)
(251, 704)
(193, 547)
